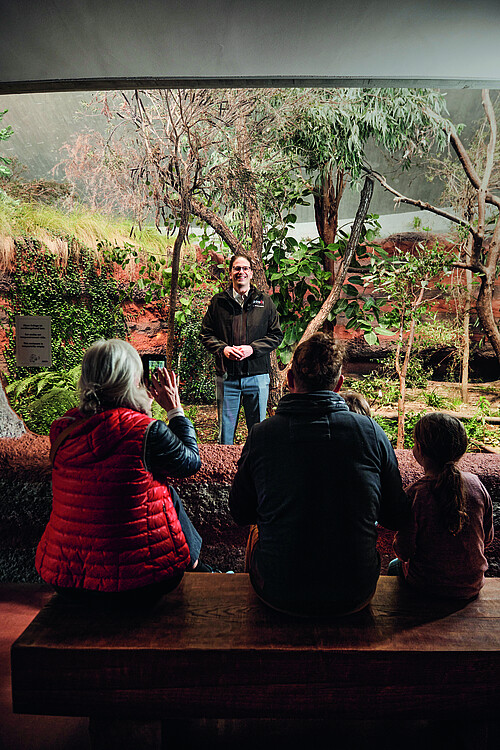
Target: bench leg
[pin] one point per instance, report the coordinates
(124, 734)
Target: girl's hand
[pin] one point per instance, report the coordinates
(164, 389)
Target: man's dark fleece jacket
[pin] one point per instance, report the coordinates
(226, 323)
(316, 478)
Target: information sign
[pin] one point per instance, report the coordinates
(33, 341)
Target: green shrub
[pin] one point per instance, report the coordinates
(192, 362)
(378, 391)
(390, 427)
(436, 401)
(81, 300)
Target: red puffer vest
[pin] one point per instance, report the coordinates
(112, 526)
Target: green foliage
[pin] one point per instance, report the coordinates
(403, 276)
(417, 375)
(192, 362)
(155, 276)
(378, 390)
(39, 220)
(477, 429)
(80, 299)
(45, 396)
(390, 427)
(4, 134)
(158, 412)
(332, 126)
(191, 412)
(300, 283)
(442, 403)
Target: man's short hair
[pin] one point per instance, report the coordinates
(240, 255)
(317, 363)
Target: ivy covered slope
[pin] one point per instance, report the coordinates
(80, 295)
(53, 263)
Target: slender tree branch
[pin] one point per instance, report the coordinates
(490, 155)
(352, 244)
(400, 198)
(469, 168)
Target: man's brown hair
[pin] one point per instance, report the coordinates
(317, 363)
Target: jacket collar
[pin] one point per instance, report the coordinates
(253, 292)
(312, 403)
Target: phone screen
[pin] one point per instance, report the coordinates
(155, 364)
(152, 363)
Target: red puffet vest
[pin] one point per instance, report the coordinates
(112, 527)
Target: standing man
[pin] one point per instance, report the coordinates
(315, 479)
(241, 327)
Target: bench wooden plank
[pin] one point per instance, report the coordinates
(211, 649)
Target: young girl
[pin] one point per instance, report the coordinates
(442, 552)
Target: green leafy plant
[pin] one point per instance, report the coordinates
(378, 390)
(442, 403)
(4, 134)
(81, 300)
(300, 283)
(193, 363)
(44, 396)
(436, 401)
(404, 277)
(390, 427)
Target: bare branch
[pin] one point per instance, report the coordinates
(400, 198)
(490, 153)
(469, 168)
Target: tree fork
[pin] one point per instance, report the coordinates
(319, 319)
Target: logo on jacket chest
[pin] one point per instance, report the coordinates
(257, 303)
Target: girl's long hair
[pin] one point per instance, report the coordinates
(111, 377)
(443, 441)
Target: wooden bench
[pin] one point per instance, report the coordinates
(211, 649)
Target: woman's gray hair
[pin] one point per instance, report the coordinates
(112, 377)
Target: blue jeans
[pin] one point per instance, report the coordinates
(193, 539)
(252, 391)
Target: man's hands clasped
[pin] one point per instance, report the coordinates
(238, 352)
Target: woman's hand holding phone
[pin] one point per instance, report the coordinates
(164, 389)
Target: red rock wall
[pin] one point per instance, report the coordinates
(26, 500)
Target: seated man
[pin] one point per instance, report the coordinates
(315, 479)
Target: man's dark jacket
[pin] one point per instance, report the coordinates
(316, 478)
(226, 323)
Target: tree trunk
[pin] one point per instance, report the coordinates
(319, 319)
(218, 225)
(11, 426)
(484, 303)
(464, 375)
(251, 203)
(326, 212)
(174, 284)
(403, 371)
(402, 392)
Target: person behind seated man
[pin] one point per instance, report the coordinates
(357, 403)
(118, 532)
(314, 479)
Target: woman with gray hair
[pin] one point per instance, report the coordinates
(117, 530)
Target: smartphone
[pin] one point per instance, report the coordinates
(150, 363)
